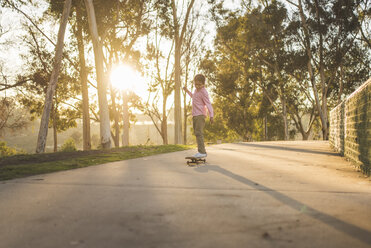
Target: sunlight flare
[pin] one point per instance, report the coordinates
(125, 77)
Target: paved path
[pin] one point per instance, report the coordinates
(268, 194)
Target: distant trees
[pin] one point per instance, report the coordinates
(329, 33)
(12, 118)
(298, 62)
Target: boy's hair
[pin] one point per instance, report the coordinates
(200, 78)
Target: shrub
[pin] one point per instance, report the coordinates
(69, 146)
(6, 150)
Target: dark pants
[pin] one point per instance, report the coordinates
(198, 127)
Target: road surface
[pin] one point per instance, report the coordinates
(267, 194)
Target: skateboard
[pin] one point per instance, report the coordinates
(195, 161)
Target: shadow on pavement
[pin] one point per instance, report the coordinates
(284, 148)
(347, 228)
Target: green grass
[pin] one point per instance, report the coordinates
(34, 164)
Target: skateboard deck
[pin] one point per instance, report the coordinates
(195, 161)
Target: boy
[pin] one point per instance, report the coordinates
(200, 101)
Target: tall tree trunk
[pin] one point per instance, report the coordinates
(116, 137)
(178, 37)
(55, 136)
(322, 79)
(325, 124)
(105, 132)
(185, 115)
(341, 86)
(125, 135)
(43, 131)
(284, 117)
(310, 67)
(185, 106)
(84, 84)
(164, 123)
(177, 103)
(164, 130)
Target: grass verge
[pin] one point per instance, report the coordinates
(34, 164)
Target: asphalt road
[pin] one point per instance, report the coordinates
(268, 194)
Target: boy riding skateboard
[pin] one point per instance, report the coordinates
(200, 102)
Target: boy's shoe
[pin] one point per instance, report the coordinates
(200, 155)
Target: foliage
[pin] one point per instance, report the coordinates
(12, 118)
(38, 71)
(219, 131)
(6, 150)
(95, 141)
(77, 137)
(69, 145)
(329, 33)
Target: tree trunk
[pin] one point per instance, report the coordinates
(178, 36)
(185, 120)
(284, 117)
(116, 137)
(125, 135)
(185, 106)
(341, 86)
(84, 84)
(164, 123)
(310, 68)
(177, 103)
(105, 132)
(265, 128)
(55, 136)
(323, 79)
(164, 130)
(325, 118)
(43, 131)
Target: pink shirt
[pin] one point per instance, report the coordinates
(201, 101)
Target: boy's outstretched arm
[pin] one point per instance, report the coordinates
(188, 92)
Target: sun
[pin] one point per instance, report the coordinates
(125, 77)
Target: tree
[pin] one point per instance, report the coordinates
(38, 69)
(193, 50)
(83, 79)
(265, 32)
(364, 18)
(327, 30)
(11, 117)
(282, 55)
(176, 27)
(43, 132)
(220, 130)
(101, 79)
(161, 72)
(234, 88)
(131, 20)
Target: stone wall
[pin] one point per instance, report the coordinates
(350, 127)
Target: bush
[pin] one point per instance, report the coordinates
(69, 146)
(6, 150)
